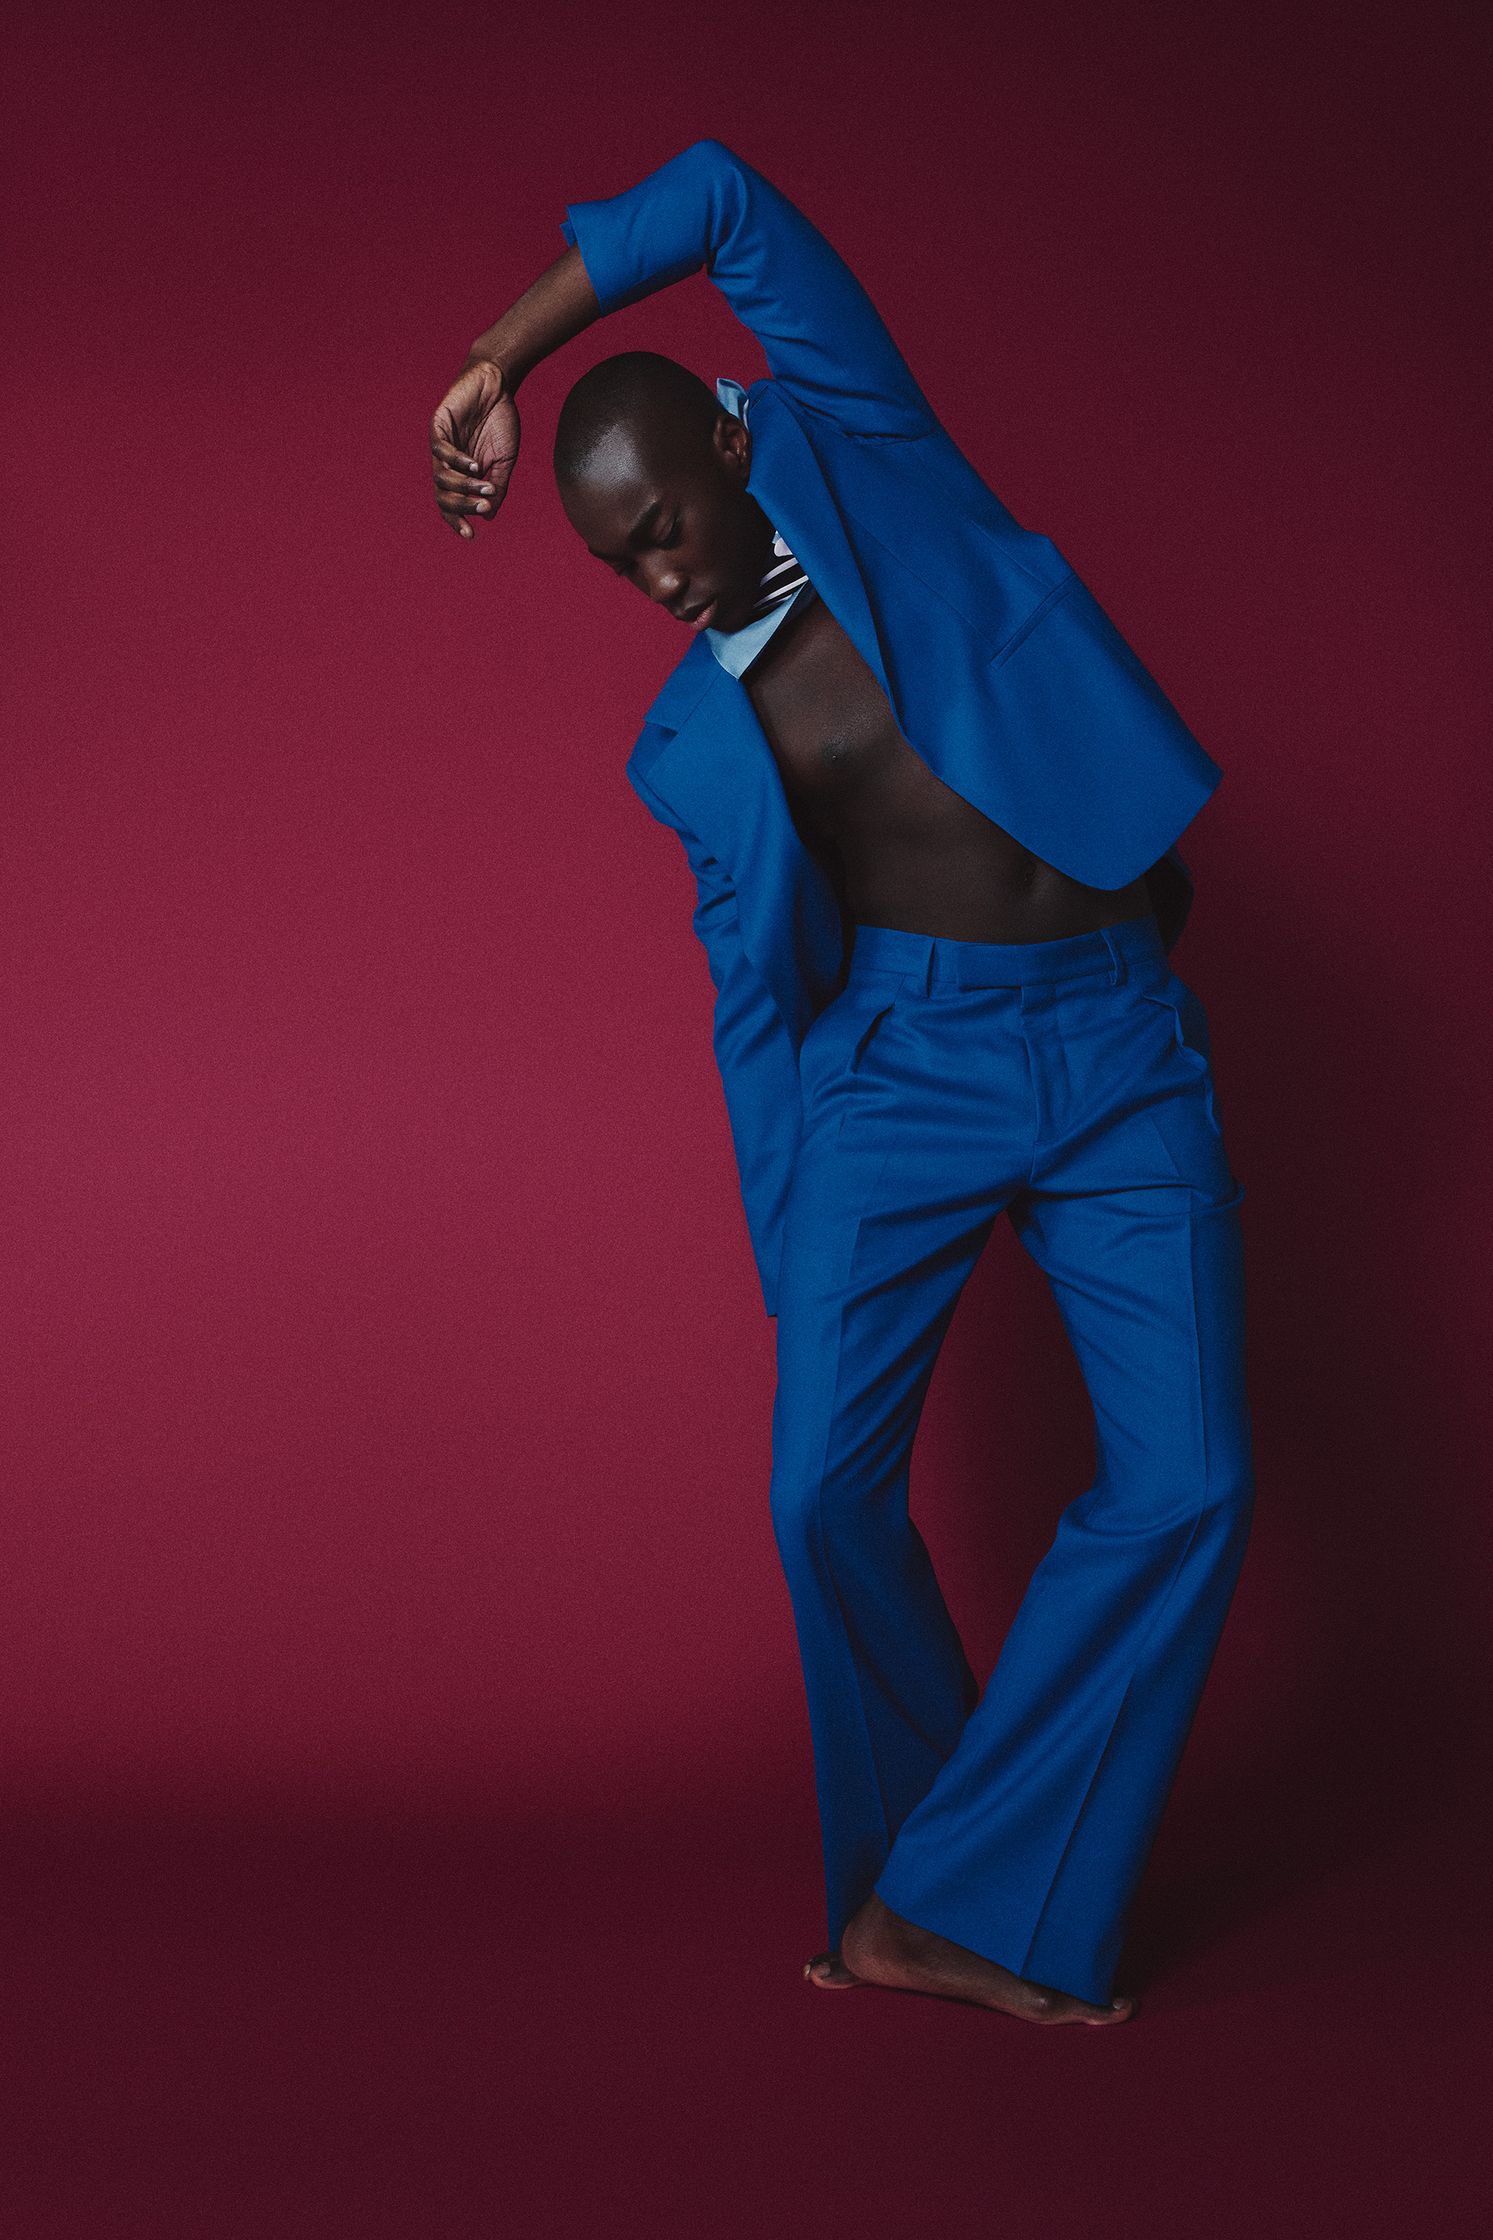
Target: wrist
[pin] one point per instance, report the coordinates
(556, 306)
(490, 350)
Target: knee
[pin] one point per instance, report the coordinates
(810, 1506)
(1227, 1507)
(1204, 1505)
(794, 1502)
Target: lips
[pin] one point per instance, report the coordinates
(701, 617)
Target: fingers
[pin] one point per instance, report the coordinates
(471, 483)
(446, 454)
(460, 486)
(457, 505)
(474, 493)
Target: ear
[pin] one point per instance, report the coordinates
(733, 445)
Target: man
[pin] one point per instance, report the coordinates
(931, 801)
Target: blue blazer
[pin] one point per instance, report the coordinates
(1002, 670)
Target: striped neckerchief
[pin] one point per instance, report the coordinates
(782, 577)
(784, 585)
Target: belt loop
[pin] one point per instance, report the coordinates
(930, 965)
(1116, 957)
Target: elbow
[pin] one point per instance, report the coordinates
(721, 179)
(713, 162)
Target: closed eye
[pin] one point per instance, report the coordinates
(659, 540)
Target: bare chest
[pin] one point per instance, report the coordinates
(846, 768)
(902, 848)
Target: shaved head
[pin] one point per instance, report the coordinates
(652, 472)
(656, 402)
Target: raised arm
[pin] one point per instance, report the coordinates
(708, 209)
(474, 435)
(704, 210)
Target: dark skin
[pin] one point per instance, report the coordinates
(673, 516)
(668, 510)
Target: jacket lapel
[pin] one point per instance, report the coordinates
(789, 483)
(704, 752)
(691, 675)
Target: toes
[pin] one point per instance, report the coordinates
(1042, 2004)
(1118, 2010)
(828, 1970)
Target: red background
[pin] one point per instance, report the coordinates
(386, 1412)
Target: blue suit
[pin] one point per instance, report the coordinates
(1001, 668)
(893, 1093)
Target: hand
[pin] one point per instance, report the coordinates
(473, 444)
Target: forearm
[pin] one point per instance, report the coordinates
(558, 306)
(705, 209)
(708, 210)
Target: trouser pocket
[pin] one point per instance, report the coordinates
(838, 1039)
(1189, 1023)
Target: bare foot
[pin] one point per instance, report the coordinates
(879, 1947)
(829, 1971)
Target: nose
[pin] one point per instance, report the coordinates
(666, 583)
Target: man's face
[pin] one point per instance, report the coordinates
(672, 515)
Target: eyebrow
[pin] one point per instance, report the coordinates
(637, 528)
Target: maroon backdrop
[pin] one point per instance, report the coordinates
(387, 1395)
(389, 1386)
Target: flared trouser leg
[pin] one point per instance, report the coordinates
(1075, 1095)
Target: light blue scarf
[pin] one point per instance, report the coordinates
(736, 650)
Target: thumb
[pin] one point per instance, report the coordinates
(456, 408)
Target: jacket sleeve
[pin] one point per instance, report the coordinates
(754, 1053)
(822, 335)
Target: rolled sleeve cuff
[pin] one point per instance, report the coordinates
(611, 253)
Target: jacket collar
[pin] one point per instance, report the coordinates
(789, 484)
(683, 687)
(703, 751)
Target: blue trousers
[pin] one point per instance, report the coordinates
(1067, 1084)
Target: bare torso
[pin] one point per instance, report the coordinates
(901, 847)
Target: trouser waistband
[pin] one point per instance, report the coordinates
(934, 960)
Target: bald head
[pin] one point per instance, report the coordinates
(653, 474)
(657, 406)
